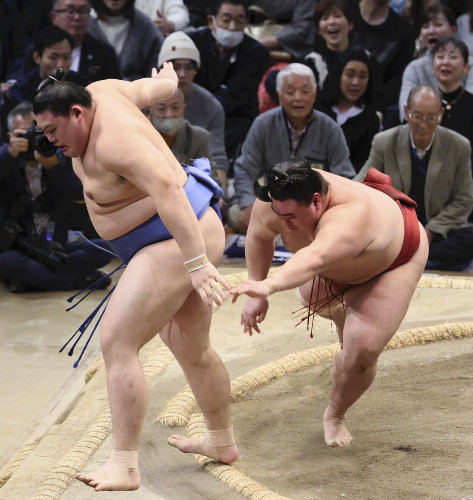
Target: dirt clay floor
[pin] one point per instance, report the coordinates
(413, 429)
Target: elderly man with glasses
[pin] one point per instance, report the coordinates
(432, 165)
(91, 57)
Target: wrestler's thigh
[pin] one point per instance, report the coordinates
(154, 287)
(150, 291)
(375, 309)
(315, 291)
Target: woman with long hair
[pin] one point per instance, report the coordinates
(348, 99)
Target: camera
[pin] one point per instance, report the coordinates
(37, 141)
(49, 253)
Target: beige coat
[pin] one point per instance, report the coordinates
(448, 186)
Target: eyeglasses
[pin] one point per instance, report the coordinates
(419, 118)
(185, 67)
(70, 12)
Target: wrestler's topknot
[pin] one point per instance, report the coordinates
(57, 96)
(291, 179)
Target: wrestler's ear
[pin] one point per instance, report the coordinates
(76, 111)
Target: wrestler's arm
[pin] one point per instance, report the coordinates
(144, 91)
(259, 251)
(341, 235)
(142, 164)
(259, 243)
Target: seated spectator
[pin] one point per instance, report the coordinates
(293, 130)
(438, 23)
(390, 39)
(186, 141)
(296, 31)
(432, 165)
(91, 57)
(202, 108)
(231, 68)
(349, 100)
(450, 67)
(52, 49)
(37, 186)
(130, 32)
(168, 15)
(334, 21)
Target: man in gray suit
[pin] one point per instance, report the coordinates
(432, 165)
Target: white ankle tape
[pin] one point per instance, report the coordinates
(126, 458)
(220, 438)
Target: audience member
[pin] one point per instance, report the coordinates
(450, 67)
(349, 101)
(91, 57)
(390, 38)
(186, 141)
(167, 15)
(438, 23)
(232, 65)
(334, 20)
(37, 189)
(52, 49)
(294, 17)
(432, 165)
(202, 108)
(130, 32)
(293, 130)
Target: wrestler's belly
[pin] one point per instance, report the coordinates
(358, 269)
(111, 224)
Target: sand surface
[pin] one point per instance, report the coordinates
(413, 430)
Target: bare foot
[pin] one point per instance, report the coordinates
(335, 432)
(207, 445)
(117, 475)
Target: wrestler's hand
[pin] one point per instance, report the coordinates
(254, 312)
(166, 72)
(210, 285)
(255, 289)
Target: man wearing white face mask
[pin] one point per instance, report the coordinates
(232, 65)
(186, 141)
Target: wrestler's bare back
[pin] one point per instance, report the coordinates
(376, 216)
(115, 204)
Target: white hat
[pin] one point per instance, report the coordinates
(178, 45)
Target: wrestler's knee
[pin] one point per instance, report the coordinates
(359, 357)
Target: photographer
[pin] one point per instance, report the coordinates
(41, 199)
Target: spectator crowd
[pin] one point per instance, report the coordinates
(344, 84)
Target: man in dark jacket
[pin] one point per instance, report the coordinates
(232, 65)
(90, 56)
